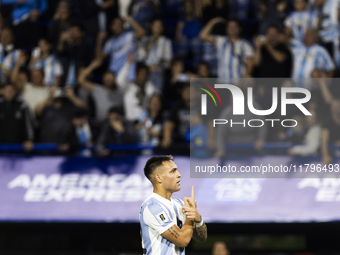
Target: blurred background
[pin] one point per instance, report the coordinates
(91, 88)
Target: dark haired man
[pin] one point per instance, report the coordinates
(168, 223)
(235, 56)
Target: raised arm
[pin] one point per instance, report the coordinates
(82, 78)
(138, 28)
(15, 73)
(205, 34)
(200, 233)
(99, 45)
(74, 99)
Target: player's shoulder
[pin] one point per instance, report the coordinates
(178, 201)
(152, 203)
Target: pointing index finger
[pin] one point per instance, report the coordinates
(192, 192)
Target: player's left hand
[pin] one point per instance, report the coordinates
(190, 206)
(192, 214)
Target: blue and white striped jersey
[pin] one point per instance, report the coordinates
(299, 22)
(328, 13)
(159, 54)
(11, 59)
(51, 67)
(158, 214)
(231, 57)
(307, 59)
(119, 49)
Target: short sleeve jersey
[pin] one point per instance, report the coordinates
(157, 215)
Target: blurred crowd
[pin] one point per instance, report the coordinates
(83, 74)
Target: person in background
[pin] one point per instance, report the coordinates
(62, 21)
(15, 121)
(235, 55)
(120, 45)
(176, 128)
(220, 248)
(150, 122)
(312, 138)
(73, 53)
(116, 131)
(55, 113)
(28, 32)
(135, 93)
(210, 10)
(273, 59)
(310, 56)
(43, 59)
(8, 53)
(23, 9)
(104, 97)
(239, 133)
(33, 92)
(96, 15)
(144, 11)
(298, 21)
(156, 52)
(173, 82)
(328, 27)
(188, 45)
(78, 136)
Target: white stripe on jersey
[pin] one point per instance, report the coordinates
(51, 67)
(299, 22)
(156, 216)
(307, 59)
(328, 13)
(160, 50)
(231, 57)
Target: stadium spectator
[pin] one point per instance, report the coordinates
(312, 139)
(104, 97)
(212, 9)
(328, 12)
(28, 32)
(234, 54)
(78, 137)
(240, 133)
(62, 21)
(220, 248)
(272, 12)
(73, 53)
(330, 132)
(33, 92)
(310, 56)
(188, 45)
(135, 93)
(203, 70)
(120, 45)
(116, 131)
(22, 10)
(55, 113)
(272, 58)
(176, 128)
(298, 21)
(43, 59)
(143, 12)
(15, 121)
(96, 16)
(294, 134)
(8, 54)
(173, 81)
(156, 52)
(150, 122)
